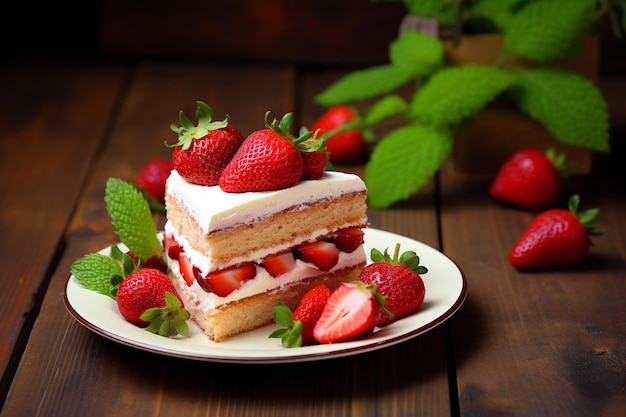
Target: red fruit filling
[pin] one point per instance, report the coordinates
(323, 254)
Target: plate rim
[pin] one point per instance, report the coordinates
(349, 350)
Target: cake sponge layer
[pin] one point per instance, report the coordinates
(255, 311)
(281, 231)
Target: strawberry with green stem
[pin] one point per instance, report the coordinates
(142, 300)
(269, 159)
(530, 179)
(109, 275)
(202, 151)
(556, 238)
(399, 279)
(297, 327)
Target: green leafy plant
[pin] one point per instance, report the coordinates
(422, 127)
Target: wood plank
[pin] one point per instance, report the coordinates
(53, 121)
(538, 343)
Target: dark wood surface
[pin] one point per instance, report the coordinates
(542, 343)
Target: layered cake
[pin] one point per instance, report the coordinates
(233, 256)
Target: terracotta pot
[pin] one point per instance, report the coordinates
(485, 140)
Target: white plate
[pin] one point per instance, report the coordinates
(446, 289)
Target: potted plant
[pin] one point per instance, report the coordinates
(424, 97)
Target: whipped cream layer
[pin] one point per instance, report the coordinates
(213, 209)
(207, 264)
(264, 282)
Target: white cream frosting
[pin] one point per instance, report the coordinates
(213, 209)
(207, 264)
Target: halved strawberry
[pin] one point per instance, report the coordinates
(171, 246)
(348, 240)
(324, 255)
(349, 312)
(280, 263)
(186, 269)
(225, 281)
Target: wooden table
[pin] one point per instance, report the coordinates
(543, 343)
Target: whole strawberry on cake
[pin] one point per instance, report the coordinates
(264, 223)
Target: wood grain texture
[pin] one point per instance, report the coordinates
(545, 342)
(52, 123)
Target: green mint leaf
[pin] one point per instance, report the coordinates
(386, 108)
(416, 54)
(404, 161)
(131, 217)
(363, 84)
(543, 31)
(570, 106)
(93, 272)
(282, 315)
(458, 92)
(492, 15)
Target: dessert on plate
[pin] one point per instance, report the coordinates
(267, 227)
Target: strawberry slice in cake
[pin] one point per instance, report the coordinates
(263, 234)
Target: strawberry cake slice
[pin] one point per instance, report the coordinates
(233, 256)
(236, 248)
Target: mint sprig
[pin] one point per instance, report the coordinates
(131, 217)
(569, 106)
(97, 272)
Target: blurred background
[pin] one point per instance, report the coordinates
(341, 34)
(304, 32)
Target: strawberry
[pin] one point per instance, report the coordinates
(187, 270)
(310, 309)
(298, 326)
(280, 263)
(324, 255)
(142, 290)
(556, 238)
(171, 247)
(313, 165)
(203, 151)
(344, 145)
(268, 159)
(225, 281)
(152, 176)
(529, 179)
(348, 240)
(349, 312)
(399, 280)
(155, 262)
